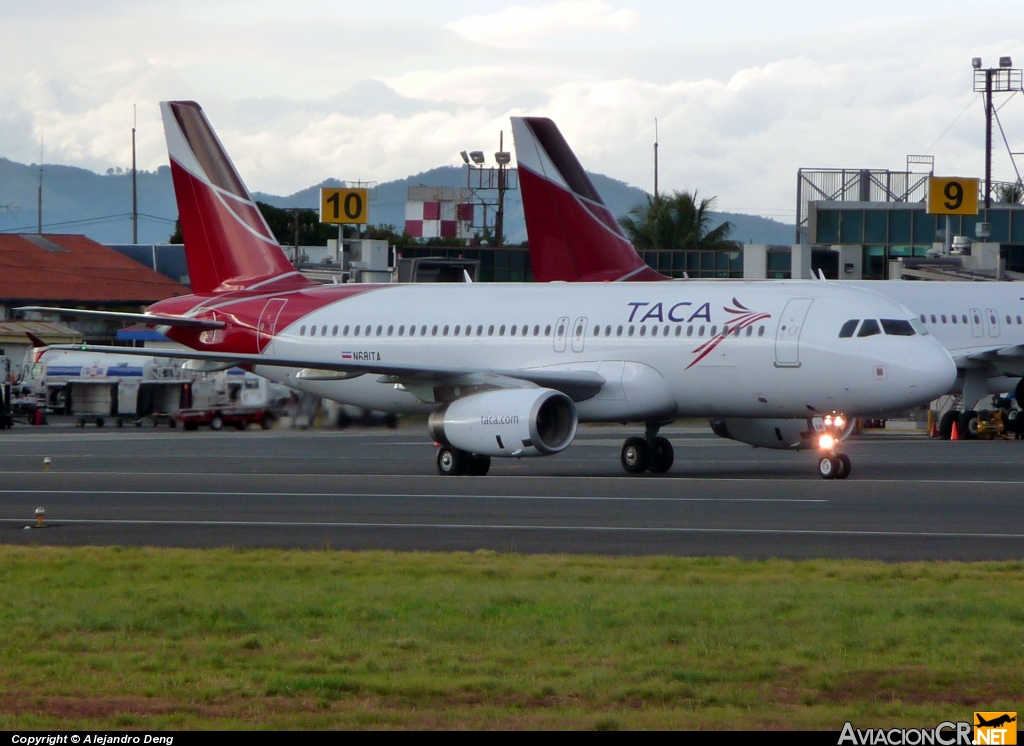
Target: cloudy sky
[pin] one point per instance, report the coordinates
(745, 92)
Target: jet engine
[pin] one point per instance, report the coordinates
(507, 422)
(788, 435)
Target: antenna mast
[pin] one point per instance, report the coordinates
(135, 191)
(655, 159)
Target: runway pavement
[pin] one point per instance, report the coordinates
(908, 497)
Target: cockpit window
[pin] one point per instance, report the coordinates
(869, 328)
(898, 327)
(919, 327)
(849, 328)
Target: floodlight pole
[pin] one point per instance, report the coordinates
(988, 137)
(499, 216)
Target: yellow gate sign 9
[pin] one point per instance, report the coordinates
(349, 206)
(952, 196)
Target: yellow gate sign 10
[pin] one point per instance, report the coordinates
(952, 195)
(349, 206)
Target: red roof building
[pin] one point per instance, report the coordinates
(74, 270)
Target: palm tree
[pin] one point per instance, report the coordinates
(1011, 193)
(680, 221)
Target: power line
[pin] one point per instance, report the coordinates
(952, 123)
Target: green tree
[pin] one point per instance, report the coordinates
(679, 221)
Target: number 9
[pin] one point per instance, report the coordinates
(954, 193)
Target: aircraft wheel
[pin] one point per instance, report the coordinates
(99, 422)
(946, 424)
(478, 465)
(217, 422)
(635, 455)
(451, 462)
(662, 456)
(845, 466)
(267, 421)
(967, 425)
(827, 467)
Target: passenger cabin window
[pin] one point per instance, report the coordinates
(849, 328)
(869, 328)
(302, 330)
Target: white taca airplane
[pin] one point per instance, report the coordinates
(511, 369)
(573, 238)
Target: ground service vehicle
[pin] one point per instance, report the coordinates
(510, 370)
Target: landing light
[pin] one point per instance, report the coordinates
(826, 442)
(838, 421)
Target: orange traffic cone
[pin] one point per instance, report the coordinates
(934, 432)
(955, 435)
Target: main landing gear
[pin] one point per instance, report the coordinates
(452, 462)
(651, 453)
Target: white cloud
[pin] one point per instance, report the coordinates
(406, 94)
(523, 26)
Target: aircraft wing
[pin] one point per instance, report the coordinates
(577, 384)
(133, 318)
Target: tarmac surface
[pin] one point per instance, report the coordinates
(909, 497)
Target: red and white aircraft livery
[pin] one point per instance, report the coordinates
(510, 369)
(981, 325)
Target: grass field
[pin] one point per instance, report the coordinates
(148, 638)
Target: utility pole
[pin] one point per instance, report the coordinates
(39, 201)
(655, 159)
(135, 191)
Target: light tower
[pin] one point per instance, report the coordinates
(1003, 79)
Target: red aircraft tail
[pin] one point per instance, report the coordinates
(573, 235)
(228, 244)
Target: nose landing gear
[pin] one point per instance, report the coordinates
(832, 464)
(651, 453)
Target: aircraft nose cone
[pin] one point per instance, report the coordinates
(932, 370)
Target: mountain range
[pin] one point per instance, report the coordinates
(76, 200)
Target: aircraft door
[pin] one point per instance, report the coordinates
(268, 321)
(993, 322)
(977, 326)
(787, 335)
(561, 329)
(579, 333)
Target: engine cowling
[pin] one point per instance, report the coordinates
(507, 422)
(788, 435)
